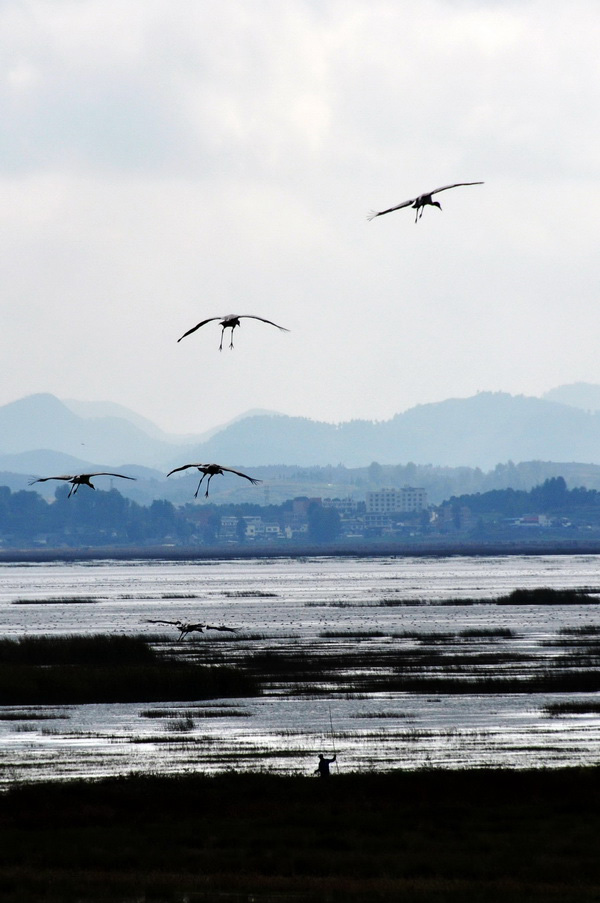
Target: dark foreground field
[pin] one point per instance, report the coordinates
(426, 836)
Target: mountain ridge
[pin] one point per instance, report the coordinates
(479, 431)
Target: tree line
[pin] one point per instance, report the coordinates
(108, 518)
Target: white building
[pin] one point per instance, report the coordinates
(394, 501)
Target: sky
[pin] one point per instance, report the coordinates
(163, 162)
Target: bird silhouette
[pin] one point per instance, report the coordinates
(81, 479)
(211, 470)
(230, 322)
(423, 200)
(185, 628)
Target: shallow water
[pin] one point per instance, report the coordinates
(295, 603)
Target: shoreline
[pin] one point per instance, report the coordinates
(334, 550)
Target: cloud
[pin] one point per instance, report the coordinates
(163, 162)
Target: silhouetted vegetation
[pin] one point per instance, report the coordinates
(547, 596)
(50, 670)
(573, 707)
(461, 837)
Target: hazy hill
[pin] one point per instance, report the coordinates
(43, 422)
(480, 431)
(104, 409)
(37, 433)
(89, 431)
(578, 395)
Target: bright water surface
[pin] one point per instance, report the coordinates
(294, 601)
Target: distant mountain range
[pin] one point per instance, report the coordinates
(40, 434)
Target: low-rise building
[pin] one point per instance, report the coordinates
(395, 501)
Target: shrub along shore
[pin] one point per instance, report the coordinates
(424, 836)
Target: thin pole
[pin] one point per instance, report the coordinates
(337, 768)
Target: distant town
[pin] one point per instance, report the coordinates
(550, 511)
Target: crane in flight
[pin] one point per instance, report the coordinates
(81, 479)
(230, 322)
(184, 627)
(210, 471)
(423, 200)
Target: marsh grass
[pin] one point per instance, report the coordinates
(582, 631)
(249, 594)
(55, 670)
(221, 712)
(487, 633)
(392, 715)
(535, 596)
(434, 667)
(58, 600)
(547, 596)
(44, 714)
(179, 596)
(353, 634)
(181, 725)
(460, 837)
(573, 707)
(73, 649)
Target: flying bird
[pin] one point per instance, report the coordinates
(81, 479)
(211, 470)
(230, 322)
(422, 201)
(185, 628)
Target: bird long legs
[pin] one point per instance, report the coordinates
(223, 333)
(199, 485)
(210, 476)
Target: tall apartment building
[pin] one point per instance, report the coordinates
(395, 501)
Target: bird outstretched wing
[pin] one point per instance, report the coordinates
(454, 185)
(184, 467)
(262, 319)
(106, 473)
(211, 627)
(239, 474)
(43, 479)
(373, 214)
(197, 326)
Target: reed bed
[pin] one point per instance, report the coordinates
(195, 713)
(57, 600)
(55, 670)
(573, 707)
(248, 594)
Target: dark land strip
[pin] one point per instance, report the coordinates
(417, 549)
(424, 836)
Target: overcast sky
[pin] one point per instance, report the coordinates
(163, 162)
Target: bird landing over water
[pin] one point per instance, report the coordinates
(423, 200)
(185, 628)
(230, 322)
(210, 471)
(81, 479)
